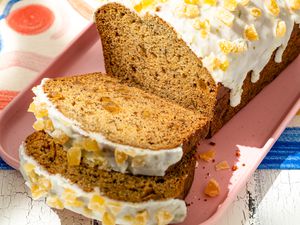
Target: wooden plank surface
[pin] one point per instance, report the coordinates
(271, 197)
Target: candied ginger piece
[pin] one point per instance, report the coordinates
(114, 207)
(38, 125)
(138, 161)
(40, 188)
(164, 217)
(203, 26)
(36, 192)
(97, 204)
(256, 12)
(28, 168)
(87, 212)
(210, 2)
(236, 46)
(96, 201)
(294, 4)
(71, 199)
(225, 17)
(74, 156)
(120, 157)
(32, 107)
(212, 188)
(208, 155)
(188, 11)
(44, 183)
(90, 145)
(128, 218)
(108, 219)
(33, 176)
(223, 165)
(141, 218)
(60, 137)
(48, 125)
(193, 2)
(143, 5)
(280, 29)
(230, 4)
(250, 33)
(272, 7)
(41, 113)
(224, 65)
(54, 202)
(225, 46)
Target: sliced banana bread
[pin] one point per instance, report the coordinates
(115, 126)
(112, 197)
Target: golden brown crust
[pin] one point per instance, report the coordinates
(223, 112)
(124, 187)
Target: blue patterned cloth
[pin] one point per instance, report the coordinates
(285, 153)
(4, 166)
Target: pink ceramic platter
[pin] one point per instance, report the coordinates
(252, 131)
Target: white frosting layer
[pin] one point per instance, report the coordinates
(258, 52)
(155, 163)
(117, 209)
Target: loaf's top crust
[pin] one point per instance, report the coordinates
(232, 37)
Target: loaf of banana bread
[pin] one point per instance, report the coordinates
(209, 56)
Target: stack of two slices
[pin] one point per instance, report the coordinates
(109, 151)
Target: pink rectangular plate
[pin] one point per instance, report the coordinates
(253, 131)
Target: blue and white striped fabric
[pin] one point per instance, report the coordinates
(4, 166)
(285, 153)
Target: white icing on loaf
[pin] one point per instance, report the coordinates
(233, 37)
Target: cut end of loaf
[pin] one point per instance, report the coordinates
(118, 186)
(124, 115)
(146, 52)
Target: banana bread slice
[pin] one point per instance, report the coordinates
(115, 126)
(108, 196)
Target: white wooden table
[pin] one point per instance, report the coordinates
(271, 197)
